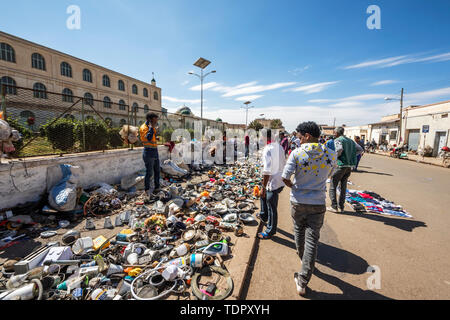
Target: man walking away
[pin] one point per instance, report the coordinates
(311, 165)
(347, 151)
(274, 160)
(359, 156)
(147, 134)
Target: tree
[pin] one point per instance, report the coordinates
(256, 125)
(276, 124)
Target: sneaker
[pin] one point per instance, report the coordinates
(342, 210)
(331, 209)
(301, 290)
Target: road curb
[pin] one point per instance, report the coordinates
(417, 161)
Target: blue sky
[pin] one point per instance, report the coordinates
(296, 60)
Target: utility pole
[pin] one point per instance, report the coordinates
(401, 118)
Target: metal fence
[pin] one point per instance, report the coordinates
(57, 124)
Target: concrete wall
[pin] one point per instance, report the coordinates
(24, 181)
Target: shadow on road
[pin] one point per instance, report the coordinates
(373, 172)
(402, 224)
(348, 291)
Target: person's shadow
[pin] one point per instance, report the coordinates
(403, 224)
(339, 260)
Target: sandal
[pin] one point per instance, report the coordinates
(264, 236)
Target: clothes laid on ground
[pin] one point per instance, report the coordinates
(365, 201)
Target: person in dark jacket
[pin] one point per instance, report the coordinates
(347, 151)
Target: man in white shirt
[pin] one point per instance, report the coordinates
(274, 160)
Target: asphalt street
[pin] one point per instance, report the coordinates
(411, 255)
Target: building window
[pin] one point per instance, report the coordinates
(89, 99)
(135, 89)
(393, 135)
(444, 115)
(37, 61)
(87, 75)
(109, 122)
(123, 122)
(155, 95)
(106, 81)
(39, 91)
(122, 105)
(146, 109)
(10, 85)
(121, 85)
(7, 52)
(146, 92)
(135, 107)
(107, 102)
(67, 95)
(25, 115)
(69, 116)
(66, 70)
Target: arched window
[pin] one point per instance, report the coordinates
(123, 122)
(39, 91)
(106, 81)
(121, 85)
(10, 85)
(67, 95)
(89, 118)
(155, 95)
(66, 70)
(146, 109)
(69, 116)
(122, 105)
(135, 107)
(7, 52)
(89, 99)
(135, 89)
(87, 75)
(109, 122)
(37, 61)
(107, 102)
(146, 92)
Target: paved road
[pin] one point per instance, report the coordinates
(412, 254)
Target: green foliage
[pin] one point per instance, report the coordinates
(167, 134)
(256, 125)
(191, 131)
(276, 124)
(24, 131)
(96, 134)
(114, 138)
(60, 133)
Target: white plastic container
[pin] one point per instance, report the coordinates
(82, 245)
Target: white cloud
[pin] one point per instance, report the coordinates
(425, 96)
(249, 98)
(383, 82)
(185, 83)
(347, 104)
(171, 99)
(313, 88)
(206, 86)
(236, 91)
(399, 60)
(298, 71)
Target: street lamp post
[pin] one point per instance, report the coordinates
(399, 139)
(247, 107)
(202, 64)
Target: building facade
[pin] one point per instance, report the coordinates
(30, 65)
(435, 119)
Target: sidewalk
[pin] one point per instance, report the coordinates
(417, 158)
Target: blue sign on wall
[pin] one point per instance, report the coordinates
(425, 129)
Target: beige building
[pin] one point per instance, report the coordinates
(30, 65)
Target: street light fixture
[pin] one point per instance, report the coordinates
(202, 64)
(399, 138)
(247, 107)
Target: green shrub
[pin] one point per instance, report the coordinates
(96, 134)
(167, 134)
(60, 133)
(114, 138)
(24, 131)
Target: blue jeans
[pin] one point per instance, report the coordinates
(153, 168)
(358, 159)
(269, 210)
